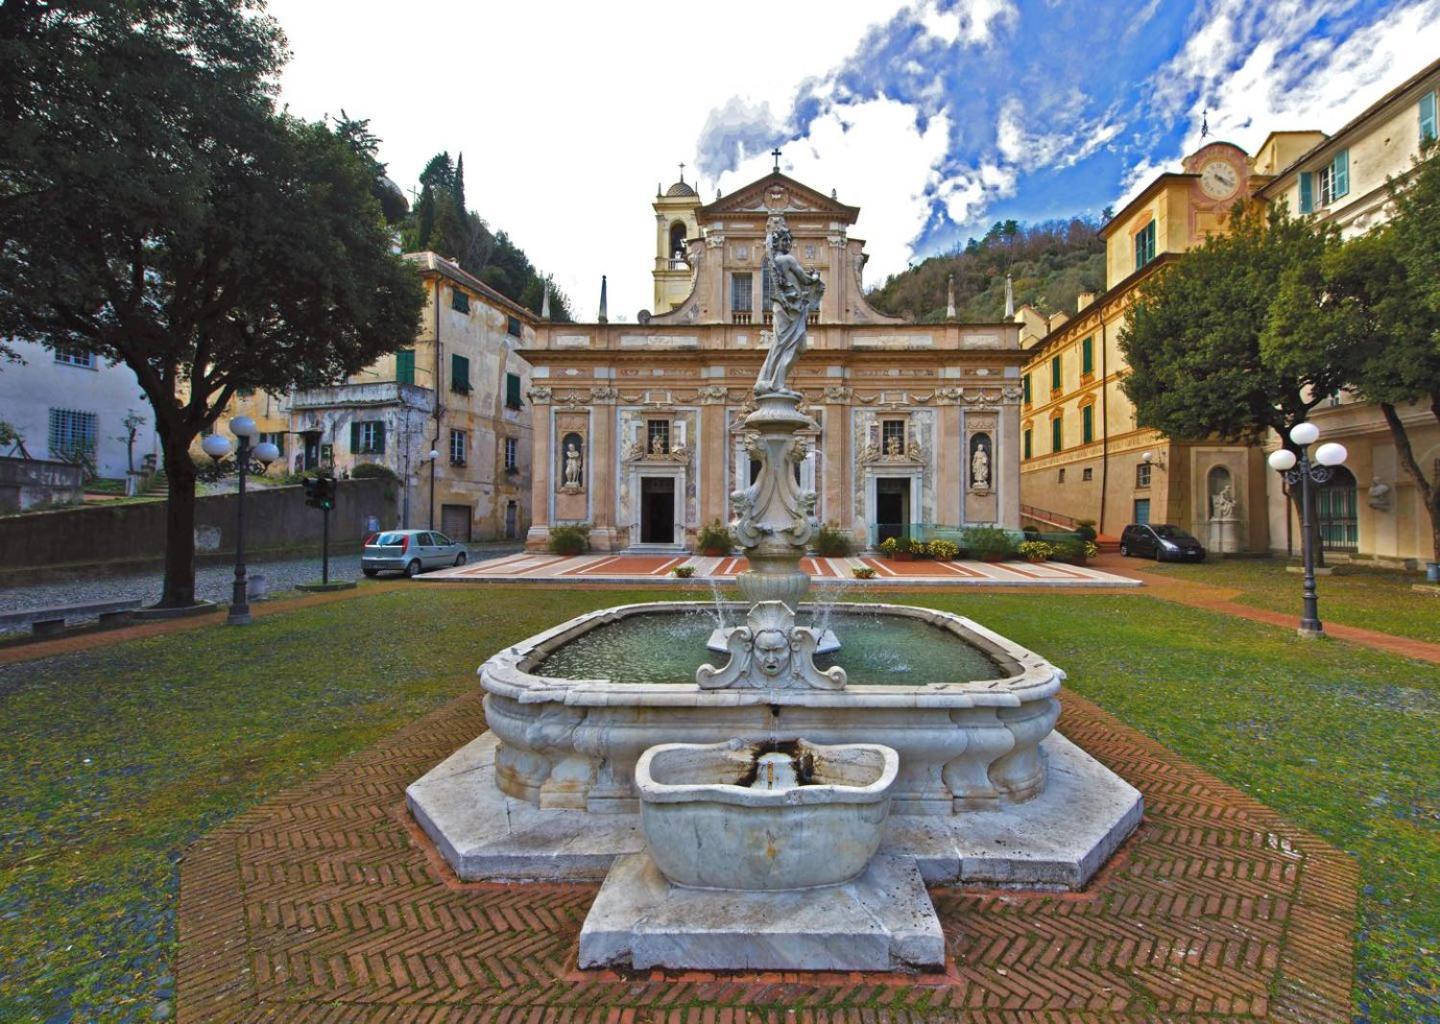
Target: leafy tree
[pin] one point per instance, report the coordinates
(157, 211)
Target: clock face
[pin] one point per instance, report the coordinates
(1219, 179)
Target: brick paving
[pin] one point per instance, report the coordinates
(325, 904)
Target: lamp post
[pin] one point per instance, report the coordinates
(215, 446)
(1284, 461)
(434, 458)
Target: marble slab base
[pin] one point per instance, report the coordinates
(881, 921)
(1057, 840)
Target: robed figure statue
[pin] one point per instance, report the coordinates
(796, 292)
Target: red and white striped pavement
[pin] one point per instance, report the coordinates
(650, 568)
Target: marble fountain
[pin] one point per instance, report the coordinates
(786, 807)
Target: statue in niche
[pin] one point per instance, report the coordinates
(796, 292)
(572, 465)
(1222, 505)
(892, 447)
(657, 445)
(1379, 494)
(980, 468)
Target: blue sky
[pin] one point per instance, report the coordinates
(936, 117)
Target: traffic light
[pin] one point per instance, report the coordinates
(320, 492)
(312, 491)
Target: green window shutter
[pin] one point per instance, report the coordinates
(405, 366)
(1055, 374)
(1087, 424)
(1428, 126)
(1057, 435)
(380, 438)
(459, 301)
(512, 390)
(1307, 192)
(460, 374)
(1029, 436)
(1087, 356)
(354, 438)
(1027, 389)
(1340, 174)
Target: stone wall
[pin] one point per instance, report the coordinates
(276, 519)
(25, 483)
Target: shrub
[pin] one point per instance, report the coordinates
(833, 542)
(1091, 549)
(1036, 550)
(570, 540)
(714, 537)
(897, 546)
(361, 470)
(863, 572)
(989, 542)
(1030, 530)
(1085, 528)
(1072, 551)
(944, 550)
(684, 571)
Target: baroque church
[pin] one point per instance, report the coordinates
(639, 428)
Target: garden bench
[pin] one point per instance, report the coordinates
(49, 621)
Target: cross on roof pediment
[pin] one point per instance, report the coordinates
(778, 193)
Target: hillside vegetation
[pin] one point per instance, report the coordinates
(1051, 263)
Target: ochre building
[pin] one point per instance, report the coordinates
(638, 428)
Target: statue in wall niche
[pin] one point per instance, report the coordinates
(572, 465)
(980, 468)
(1379, 494)
(892, 447)
(796, 292)
(1222, 505)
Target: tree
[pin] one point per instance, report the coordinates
(1193, 340)
(156, 210)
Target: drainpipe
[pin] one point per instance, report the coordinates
(1104, 423)
(439, 362)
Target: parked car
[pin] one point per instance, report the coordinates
(1160, 541)
(409, 551)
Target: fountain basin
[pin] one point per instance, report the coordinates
(967, 744)
(764, 816)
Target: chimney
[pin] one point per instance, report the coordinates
(602, 318)
(1083, 299)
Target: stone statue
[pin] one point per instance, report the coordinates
(1379, 494)
(1222, 505)
(657, 445)
(892, 447)
(796, 292)
(572, 465)
(980, 467)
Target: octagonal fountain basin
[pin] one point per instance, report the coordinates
(764, 816)
(574, 707)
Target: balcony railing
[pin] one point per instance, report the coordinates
(740, 316)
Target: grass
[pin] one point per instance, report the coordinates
(117, 759)
(1354, 595)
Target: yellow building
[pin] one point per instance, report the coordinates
(674, 223)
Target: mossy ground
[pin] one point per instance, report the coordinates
(116, 759)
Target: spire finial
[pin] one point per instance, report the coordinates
(950, 298)
(545, 301)
(603, 318)
(776, 154)
(682, 172)
(1009, 296)
(1205, 123)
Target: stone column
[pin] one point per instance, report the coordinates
(1005, 460)
(951, 470)
(835, 458)
(541, 463)
(711, 451)
(604, 464)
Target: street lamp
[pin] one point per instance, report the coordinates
(434, 458)
(1283, 461)
(215, 446)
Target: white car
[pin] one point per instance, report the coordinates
(409, 551)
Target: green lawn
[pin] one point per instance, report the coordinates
(116, 759)
(1354, 595)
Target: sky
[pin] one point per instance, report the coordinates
(935, 117)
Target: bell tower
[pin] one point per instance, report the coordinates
(674, 223)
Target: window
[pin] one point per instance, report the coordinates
(459, 444)
(741, 296)
(1027, 389)
(677, 239)
(1142, 475)
(1055, 374)
(460, 375)
(1145, 245)
(1334, 180)
(277, 439)
(1087, 473)
(1142, 510)
(1307, 192)
(1029, 442)
(1429, 127)
(657, 436)
(73, 358)
(1057, 434)
(512, 453)
(1060, 476)
(512, 391)
(1087, 424)
(765, 296)
(459, 301)
(892, 437)
(367, 437)
(405, 366)
(512, 326)
(72, 432)
(1087, 356)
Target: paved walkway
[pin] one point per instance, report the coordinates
(652, 568)
(326, 904)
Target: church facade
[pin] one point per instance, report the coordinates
(639, 428)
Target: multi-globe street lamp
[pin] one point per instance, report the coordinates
(1284, 461)
(215, 446)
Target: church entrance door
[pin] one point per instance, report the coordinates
(892, 507)
(657, 510)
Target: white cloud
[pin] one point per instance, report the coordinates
(975, 22)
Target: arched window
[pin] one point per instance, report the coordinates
(1335, 511)
(677, 239)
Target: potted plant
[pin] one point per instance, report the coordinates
(570, 540)
(684, 572)
(989, 543)
(714, 540)
(1036, 550)
(900, 549)
(863, 572)
(943, 550)
(833, 542)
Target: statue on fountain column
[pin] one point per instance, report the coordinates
(797, 291)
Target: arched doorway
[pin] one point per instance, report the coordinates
(1335, 512)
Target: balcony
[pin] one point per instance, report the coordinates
(371, 394)
(740, 316)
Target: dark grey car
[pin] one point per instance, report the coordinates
(1161, 542)
(409, 551)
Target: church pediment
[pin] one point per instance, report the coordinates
(778, 194)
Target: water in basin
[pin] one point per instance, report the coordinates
(877, 650)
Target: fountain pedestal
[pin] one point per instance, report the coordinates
(774, 517)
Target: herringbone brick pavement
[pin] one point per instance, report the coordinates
(326, 904)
